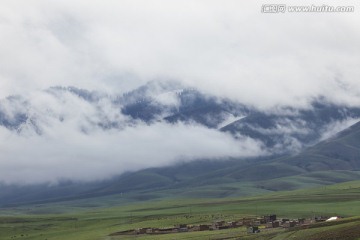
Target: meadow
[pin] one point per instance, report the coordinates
(97, 218)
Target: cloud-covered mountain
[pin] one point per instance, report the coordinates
(246, 88)
(76, 102)
(72, 133)
(170, 102)
(330, 161)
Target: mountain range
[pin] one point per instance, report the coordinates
(283, 129)
(310, 146)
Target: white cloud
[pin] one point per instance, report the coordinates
(227, 49)
(71, 154)
(223, 48)
(337, 126)
(62, 139)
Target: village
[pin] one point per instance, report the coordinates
(253, 224)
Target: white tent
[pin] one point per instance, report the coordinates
(332, 219)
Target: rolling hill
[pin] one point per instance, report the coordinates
(331, 161)
(291, 136)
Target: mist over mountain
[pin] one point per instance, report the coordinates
(78, 134)
(331, 161)
(104, 97)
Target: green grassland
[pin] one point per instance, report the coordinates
(98, 217)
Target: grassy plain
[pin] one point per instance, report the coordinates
(95, 219)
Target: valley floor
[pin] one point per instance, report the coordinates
(91, 220)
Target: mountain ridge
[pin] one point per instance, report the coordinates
(291, 137)
(285, 130)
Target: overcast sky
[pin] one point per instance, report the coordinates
(226, 48)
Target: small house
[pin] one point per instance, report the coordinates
(273, 224)
(204, 227)
(232, 224)
(289, 224)
(253, 229)
(301, 220)
(181, 226)
(270, 218)
(151, 230)
(141, 230)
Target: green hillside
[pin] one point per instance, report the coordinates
(332, 161)
(341, 152)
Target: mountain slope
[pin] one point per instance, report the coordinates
(333, 160)
(341, 152)
(282, 132)
(330, 161)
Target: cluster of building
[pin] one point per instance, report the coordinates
(253, 225)
(270, 221)
(218, 225)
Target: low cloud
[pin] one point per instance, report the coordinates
(64, 137)
(225, 49)
(72, 154)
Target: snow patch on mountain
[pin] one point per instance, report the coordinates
(229, 120)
